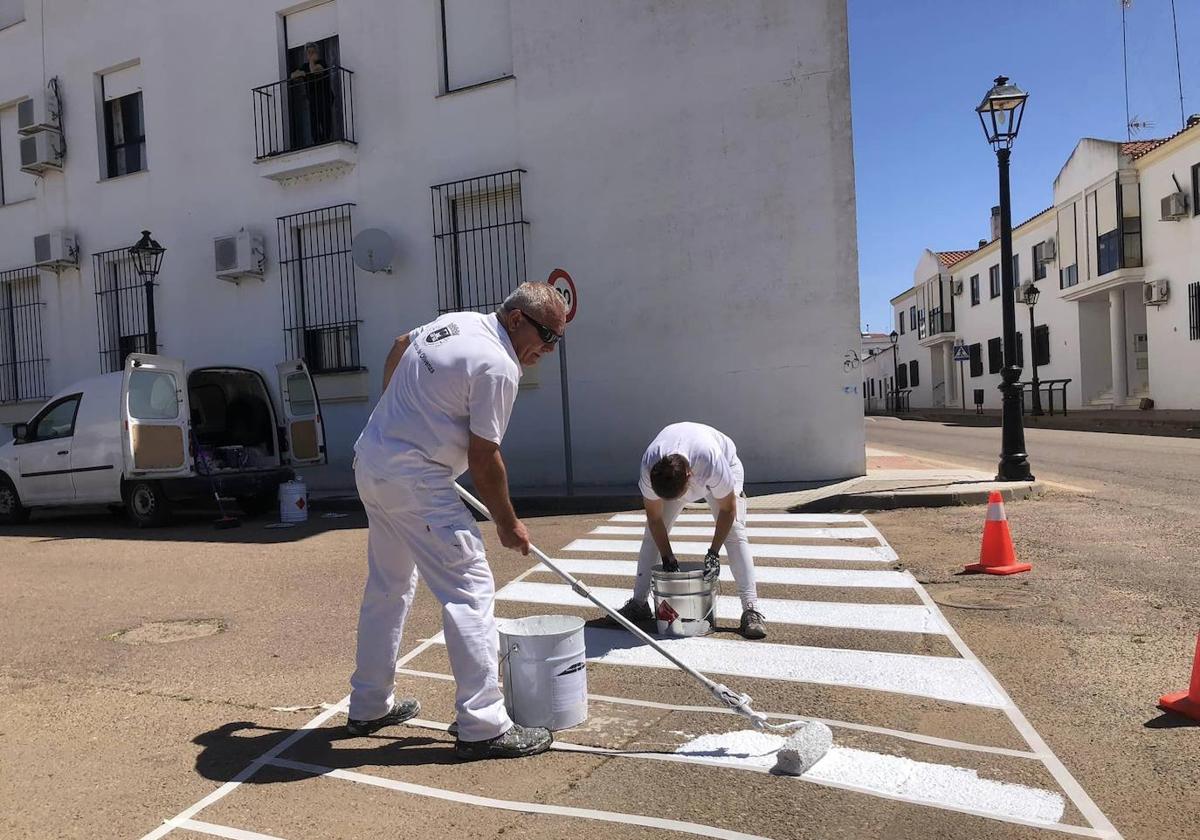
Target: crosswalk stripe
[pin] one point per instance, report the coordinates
(866, 554)
(936, 677)
(785, 575)
(889, 617)
(790, 533)
(790, 518)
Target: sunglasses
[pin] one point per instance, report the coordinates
(547, 335)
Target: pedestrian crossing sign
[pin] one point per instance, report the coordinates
(961, 354)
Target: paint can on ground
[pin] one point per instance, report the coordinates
(293, 501)
(683, 600)
(544, 664)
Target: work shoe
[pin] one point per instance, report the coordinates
(752, 625)
(517, 742)
(636, 612)
(402, 710)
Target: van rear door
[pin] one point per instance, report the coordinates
(303, 429)
(155, 417)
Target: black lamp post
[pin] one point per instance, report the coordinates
(147, 259)
(895, 337)
(1000, 114)
(1030, 295)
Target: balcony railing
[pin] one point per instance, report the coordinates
(302, 112)
(940, 322)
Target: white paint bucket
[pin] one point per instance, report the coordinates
(293, 501)
(544, 664)
(683, 600)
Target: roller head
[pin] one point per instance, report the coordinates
(803, 748)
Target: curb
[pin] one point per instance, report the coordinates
(893, 500)
(526, 506)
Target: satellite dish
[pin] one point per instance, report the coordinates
(373, 250)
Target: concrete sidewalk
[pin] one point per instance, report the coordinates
(893, 480)
(1124, 421)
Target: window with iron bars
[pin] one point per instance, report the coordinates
(320, 302)
(479, 229)
(22, 364)
(1194, 311)
(124, 309)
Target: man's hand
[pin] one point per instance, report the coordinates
(514, 535)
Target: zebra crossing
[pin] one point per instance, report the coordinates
(823, 553)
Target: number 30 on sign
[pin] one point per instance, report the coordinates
(562, 281)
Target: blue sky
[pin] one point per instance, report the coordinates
(925, 175)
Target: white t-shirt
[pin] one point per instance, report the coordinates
(459, 376)
(716, 470)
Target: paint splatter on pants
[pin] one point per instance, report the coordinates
(426, 529)
(737, 548)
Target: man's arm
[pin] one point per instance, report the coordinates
(726, 513)
(393, 358)
(491, 481)
(658, 528)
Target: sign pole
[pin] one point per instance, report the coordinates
(962, 388)
(565, 286)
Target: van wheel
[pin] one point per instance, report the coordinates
(12, 512)
(258, 504)
(147, 504)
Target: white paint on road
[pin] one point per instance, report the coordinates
(783, 575)
(859, 554)
(790, 518)
(780, 533)
(214, 830)
(942, 785)
(889, 617)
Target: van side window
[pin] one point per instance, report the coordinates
(300, 395)
(57, 421)
(152, 395)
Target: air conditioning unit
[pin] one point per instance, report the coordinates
(40, 113)
(240, 255)
(56, 249)
(956, 287)
(1156, 292)
(41, 152)
(1049, 251)
(1175, 207)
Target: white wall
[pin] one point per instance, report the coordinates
(1171, 250)
(701, 195)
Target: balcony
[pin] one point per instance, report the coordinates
(941, 328)
(304, 126)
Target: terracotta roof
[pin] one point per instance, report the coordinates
(949, 258)
(1136, 148)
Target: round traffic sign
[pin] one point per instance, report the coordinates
(562, 281)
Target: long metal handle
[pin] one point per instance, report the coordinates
(738, 702)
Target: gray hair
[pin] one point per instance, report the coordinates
(539, 300)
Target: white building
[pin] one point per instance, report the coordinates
(688, 164)
(1119, 311)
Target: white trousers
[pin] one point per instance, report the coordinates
(428, 530)
(737, 548)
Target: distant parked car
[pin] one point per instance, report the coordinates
(160, 432)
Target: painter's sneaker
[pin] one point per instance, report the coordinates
(517, 742)
(402, 710)
(752, 625)
(636, 612)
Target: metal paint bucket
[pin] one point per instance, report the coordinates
(683, 600)
(544, 664)
(293, 501)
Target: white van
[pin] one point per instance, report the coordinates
(160, 432)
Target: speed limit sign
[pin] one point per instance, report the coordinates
(562, 281)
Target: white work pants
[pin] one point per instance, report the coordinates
(737, 547)
(415, 528)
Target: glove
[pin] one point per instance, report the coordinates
(670, 564)
(712, 565)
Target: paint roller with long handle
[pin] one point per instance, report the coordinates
(802, 749)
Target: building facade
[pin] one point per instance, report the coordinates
(1117, 320)
(665, 155)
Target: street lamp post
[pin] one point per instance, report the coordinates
(1030, 295)
(147, 260)
(895, 338)
(1000, 114)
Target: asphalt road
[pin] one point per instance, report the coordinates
(1143, 471)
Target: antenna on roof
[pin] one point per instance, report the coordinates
(1136, 126)
(1125, 5)
(1178, 70)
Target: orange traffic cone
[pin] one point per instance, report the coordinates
(1186, 703)
(996, 555)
